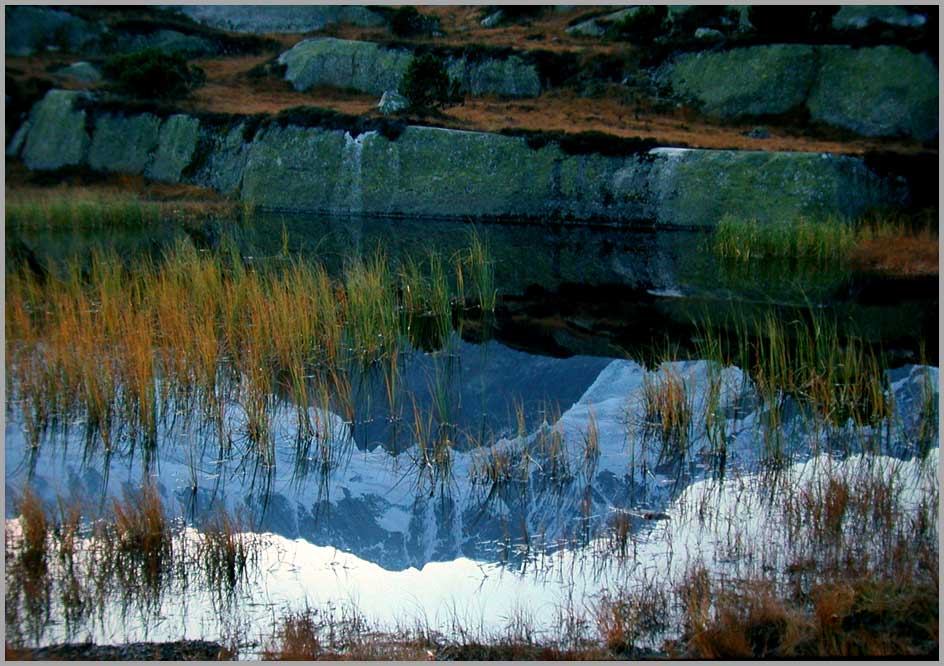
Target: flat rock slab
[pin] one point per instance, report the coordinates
(429, 172)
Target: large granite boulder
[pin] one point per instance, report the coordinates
(511, 76)
(856, 17)
(81, 71)
(177, 142)
(371, 68)
(166, 40)
(124, 144)
(597, 26)
(57, 136)
(384, 170)
(699, 187)
(344, 63)
(756, 80)
(881, 91)
(280, 18)
(878, 91)
(32, 29)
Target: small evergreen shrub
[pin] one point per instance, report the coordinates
(791, 22)
(642, 26)
(427, 85)
(406, 21)
(153, 74)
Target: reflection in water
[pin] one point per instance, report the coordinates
(446, 462)
(566, 290)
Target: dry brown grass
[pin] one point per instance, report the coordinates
(555, 110)
(143, 533)
(626, 617)
(911, 256)
(34, 526)
(858, 617)
(314, 635)
(24, 186)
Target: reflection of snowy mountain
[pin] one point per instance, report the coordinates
(541, 489)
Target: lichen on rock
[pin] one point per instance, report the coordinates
(881, 91)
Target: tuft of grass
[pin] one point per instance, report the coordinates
(297, 638)
(226, 550)
(143, 534)
(481, 272)
(83, 209)
(817, 241)
(667, 413)
(126, 346)
(883, 242)
(627, 616)
(35, 529)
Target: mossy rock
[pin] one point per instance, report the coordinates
(758, 80)
(881, 91)
(124, 144)
(344, 63)
(178, 141)
(31, 29)
(57, 135)
(699, 187)
(372, 68)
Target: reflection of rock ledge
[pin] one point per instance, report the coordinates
(379, 508)
(434, 172)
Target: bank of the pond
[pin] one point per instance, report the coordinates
(316, 161)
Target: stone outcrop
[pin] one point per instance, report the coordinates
(856, 17)
(751, 81)
(878, 91)
(165, 40)
(31, 29)
(81, 71)
(343, 63)
(175, 147)
(882, 91)
(432, 172)
(124, 144)
(56, 135)
(262, 19)
(510, 77)
(371, 68)
(597, 27)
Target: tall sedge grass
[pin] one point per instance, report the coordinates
(818, 241)
(103, 208)
(833, 377)
(82, 209)
(667, 414)
(132, 555)
(847, 567)
(143, 534)
(128, 344)
(828, 243)
(481, 271)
